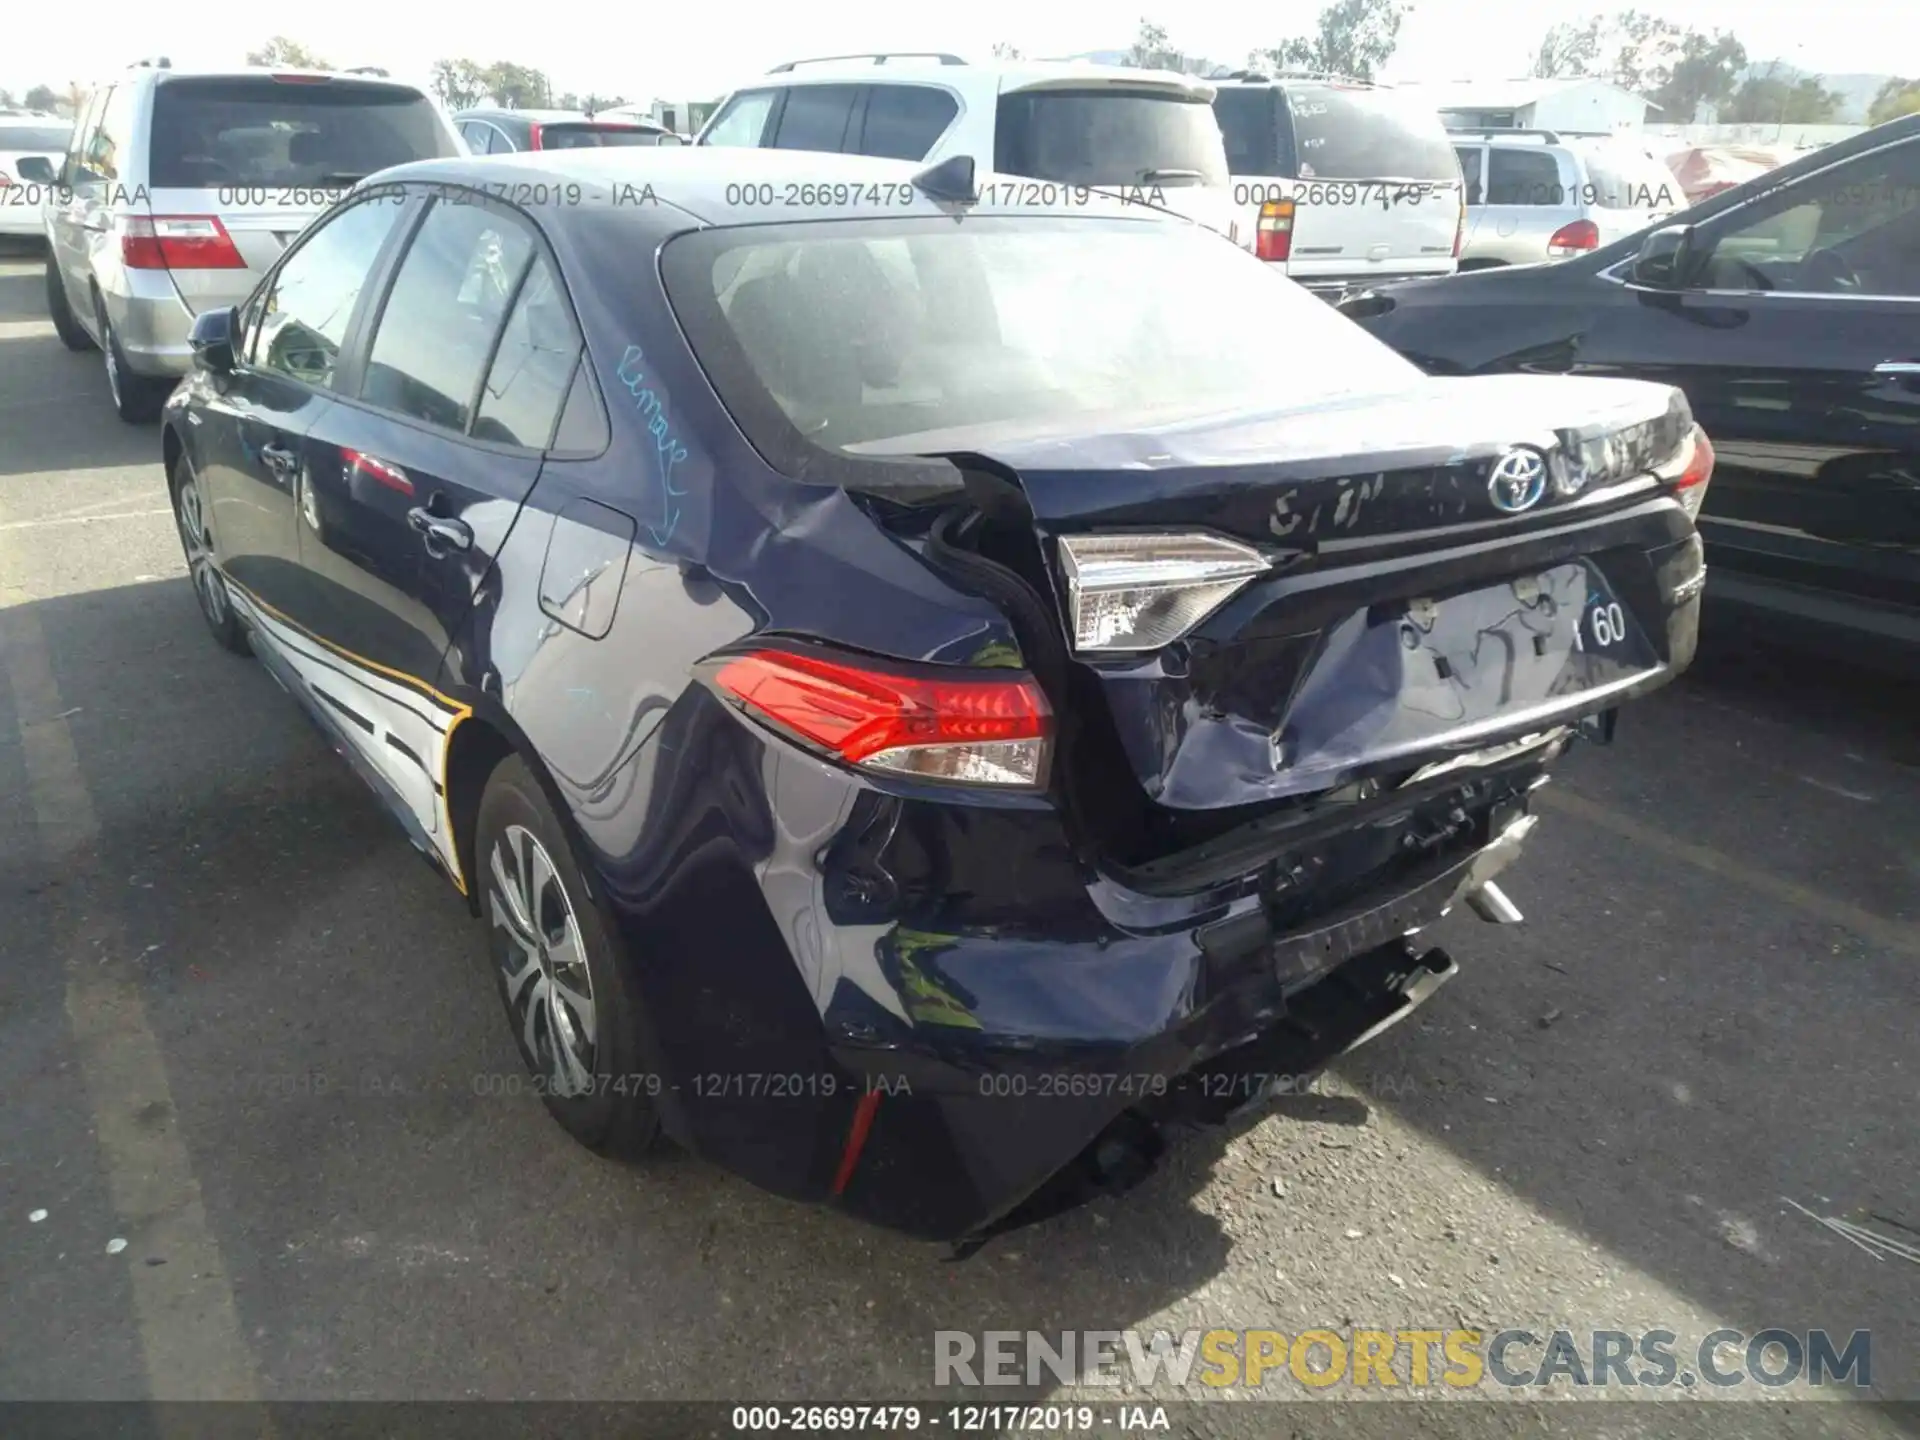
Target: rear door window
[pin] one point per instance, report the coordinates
(815, 117)
(1469, 158)
(743, 120)
(1250, 125)
(1109, 136)
(214, 132)
(306, 311)
(904, 121)
(1523, 177)
(448, 300)
(527, 382)
(1343, 133)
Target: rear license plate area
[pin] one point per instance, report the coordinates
(1407, 676)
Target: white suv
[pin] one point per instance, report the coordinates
(1343, 183)
(1069, 127)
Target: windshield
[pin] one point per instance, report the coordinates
(1622, 179)
(588, 137)
(1350, 134)
(1109, 136)
(247, 131)
(998, 327)
(49, 138)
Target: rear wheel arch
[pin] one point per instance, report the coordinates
(480, 741)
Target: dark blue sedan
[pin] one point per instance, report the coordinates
(925, 683)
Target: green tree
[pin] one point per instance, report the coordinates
(1896, 98)
(1569, 50)
(517, 87)
(460, 84)
(1770, 100)
(282, 53)
(43, 97)
(1151, 51)
(1352, 37)
(7, 102)
(1701, 73)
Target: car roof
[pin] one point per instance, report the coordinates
(704, 183)
(999, 77)
(556, 117)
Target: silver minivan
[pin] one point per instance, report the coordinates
(180, 189)
(1535, 195)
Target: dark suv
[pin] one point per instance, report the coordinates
(911, 761)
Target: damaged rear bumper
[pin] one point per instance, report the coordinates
(979, 1133)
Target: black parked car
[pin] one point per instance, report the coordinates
(1788, 311)
(916, 704)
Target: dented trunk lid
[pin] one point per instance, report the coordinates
(1351, 653)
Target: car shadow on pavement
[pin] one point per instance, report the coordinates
(399, 1217)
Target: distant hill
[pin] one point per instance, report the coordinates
(1856, 91)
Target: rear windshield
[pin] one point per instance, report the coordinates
(588, 137)
(51, 138)
(1342, 134)
(997, 328)
(1108, 137)
(1250, 125)
(209, 133)
(1622, 179)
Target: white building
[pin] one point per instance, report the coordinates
(1576, 105)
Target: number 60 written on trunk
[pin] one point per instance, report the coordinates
(1609, 624)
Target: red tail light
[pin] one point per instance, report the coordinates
(533, 135)
(984, 731)
(1273, 237)
(177, 242)
(5, 180)
(1574, 239)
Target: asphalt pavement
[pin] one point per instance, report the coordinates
(246, 1030)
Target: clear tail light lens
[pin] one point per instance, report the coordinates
(975, 730)
(1139, 592)
(1273, 237)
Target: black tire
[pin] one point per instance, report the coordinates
(72, 334)
(209, 586)
(136, 398)
(610, 1108)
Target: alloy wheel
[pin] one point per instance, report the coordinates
(208, 587)
(543, 963)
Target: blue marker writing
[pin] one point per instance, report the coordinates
(647, 400)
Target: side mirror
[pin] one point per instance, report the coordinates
(212, 339)
(35, 170)
(1665, 258)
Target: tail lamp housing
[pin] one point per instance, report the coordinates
(1273, 235)
(1134, 592)
(177, 242)
(970, 727)
(1574, 238)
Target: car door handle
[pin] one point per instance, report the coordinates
(1897, 367)
(280, 460)
(438, 530)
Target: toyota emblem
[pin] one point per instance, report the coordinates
(1518, 480)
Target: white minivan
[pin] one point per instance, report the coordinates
(1342, 184)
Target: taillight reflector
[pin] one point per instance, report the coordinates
(1695, 473)
(177, 242)
(1575, 238)
(1273, 237)
(978, 730)
(533, 135)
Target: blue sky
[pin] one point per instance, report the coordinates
(693, 51)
